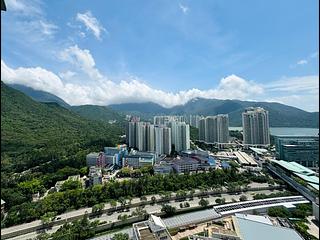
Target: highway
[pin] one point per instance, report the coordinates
(114, 217)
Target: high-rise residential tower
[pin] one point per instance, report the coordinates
(180, 135)
(214, 129)
(255, 124)
(162, 140)
(194, 120)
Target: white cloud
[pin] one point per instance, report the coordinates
(91, 23)
(103, 91)
(95, 88)
(24, 7)
(81, 58)
(183, 8)
(28, 21)
(67, 75)
(295, 84)
(48, 28)
(302, 62)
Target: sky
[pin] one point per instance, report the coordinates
(164, 51)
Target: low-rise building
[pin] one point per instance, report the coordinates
(95, 175)
(247, 227)
(301, 149)
(92, 159)
(139, 159)
(162, 168)
(153, 229)
(185, 164)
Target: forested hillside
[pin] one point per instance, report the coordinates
(33, 132)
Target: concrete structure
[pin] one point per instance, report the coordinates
(180, 135)
(262, 205)
(295, 169)
(288, 179)
(153, 229)
(185, 164)
(139, 159)
(194, 120)
(244, 159)
(164, 120)
(255, 125)
(248, 227)
(95, 175)
(301, 149)
(162, 140)
(114, 155)
(162, 168)
(214, 129)
(91, 159)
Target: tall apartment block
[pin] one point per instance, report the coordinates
(162, 140)
(214, 129)
(180, 135)
(164, 120)
(194, 120)
(255, 124)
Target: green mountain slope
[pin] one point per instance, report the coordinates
(100, 113)
(33, 132)
(39, 96)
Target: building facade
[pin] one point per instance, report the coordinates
(301, 149)
(180, 135)
(255, 124)
(162, 140)
(214, 129)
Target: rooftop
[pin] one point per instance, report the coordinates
(295, 167)
(252, 229)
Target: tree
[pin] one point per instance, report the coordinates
(121, 236)
(48, 217)
(243, 198)
(279, 212)
(220, 200)
(113, 203)
(168, 210)
(181, 205)
(97, 208)
(203, 202)
(70, 185)
(186, 204)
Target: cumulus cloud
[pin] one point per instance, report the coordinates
(103, 91)
(301, 92)
(82, 59)
(92, 24)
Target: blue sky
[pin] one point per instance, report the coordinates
(103, 52)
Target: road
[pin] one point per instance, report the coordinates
(149, 208)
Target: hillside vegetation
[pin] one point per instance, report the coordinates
(33, 132)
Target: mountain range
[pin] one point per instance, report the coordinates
(280, 115)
